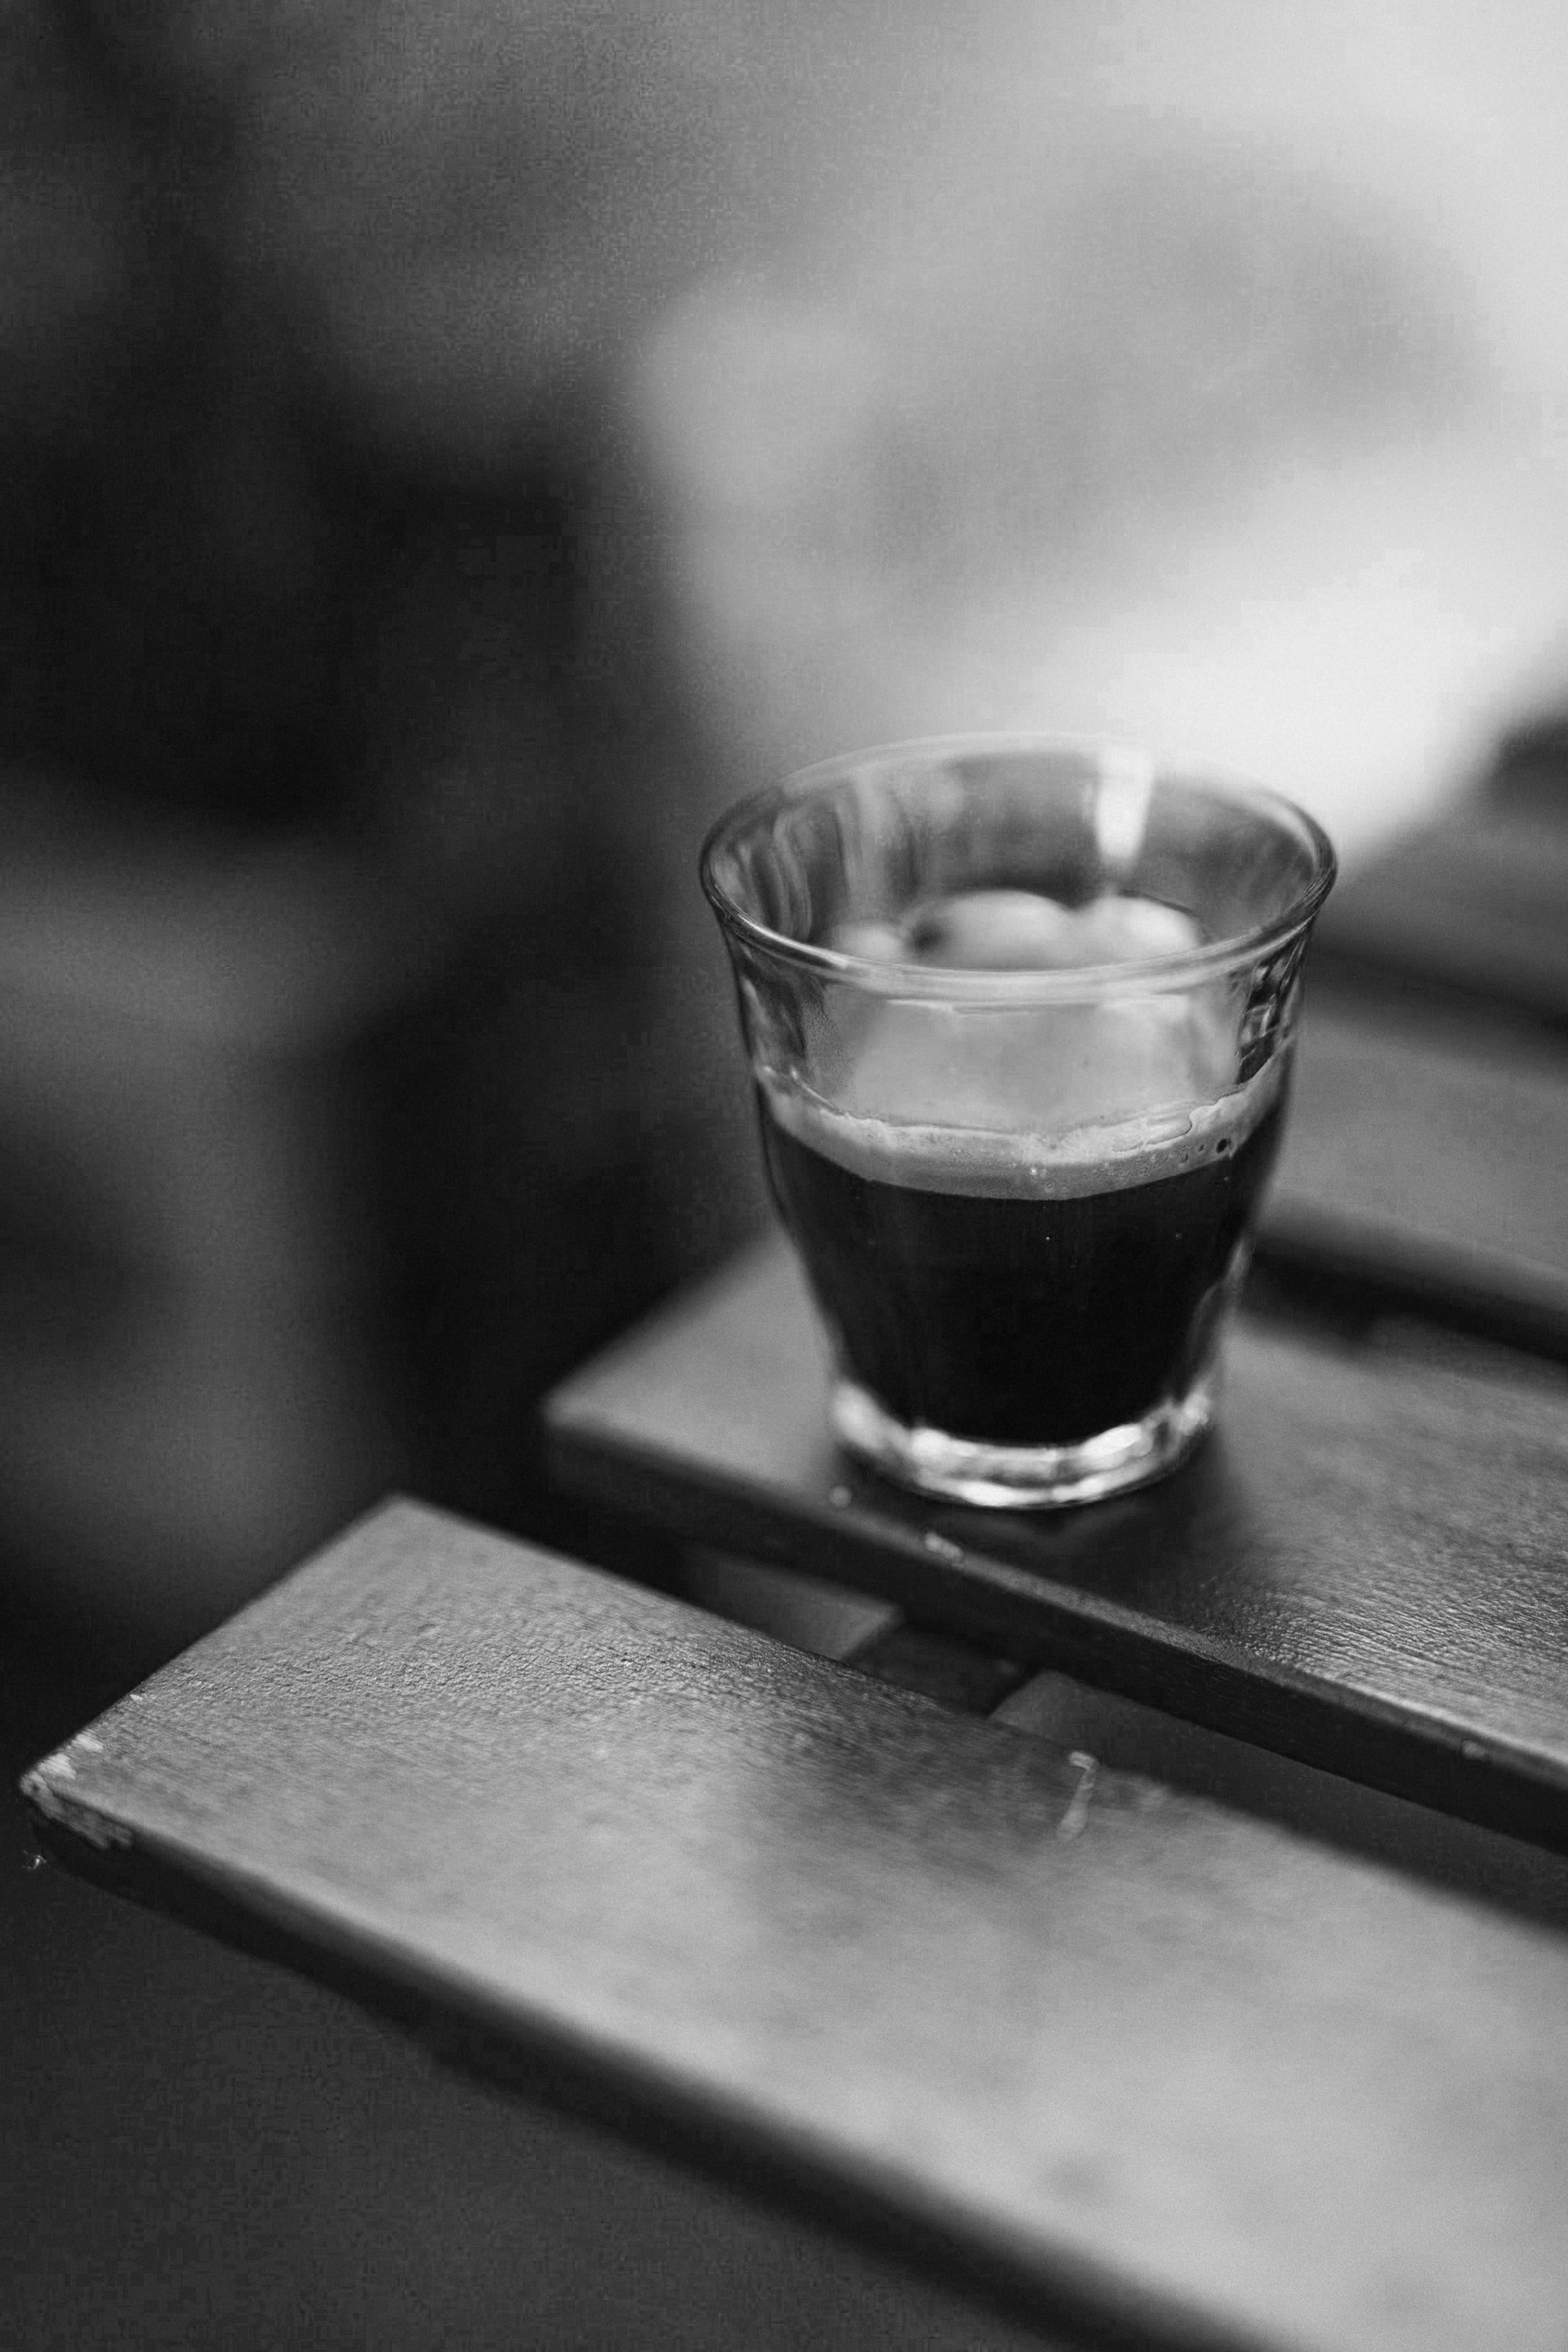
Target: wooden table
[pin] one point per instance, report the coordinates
(1151, 1920)
(1147, 2067)
(1348, 1618)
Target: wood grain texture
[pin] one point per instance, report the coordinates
(1440, 1848)
(1188, 2076)
(1364, 1569)
(1427, 1159)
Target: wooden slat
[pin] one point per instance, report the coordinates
(1426, 1160)
(1440, 1848)
(1478, 902)
(1364, 1569)
(801, 1609)
(942, 1665)
(1159, 2068)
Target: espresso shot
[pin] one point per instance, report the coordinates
(1021, 1316)
(1020, 1020)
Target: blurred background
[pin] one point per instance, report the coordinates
(447, 453)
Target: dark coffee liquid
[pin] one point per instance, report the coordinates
(1021, 1319)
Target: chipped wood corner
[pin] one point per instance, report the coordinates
(46, 1789)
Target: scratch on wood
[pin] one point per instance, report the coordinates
(1075, 1821)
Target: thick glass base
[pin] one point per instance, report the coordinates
(1023, 1477)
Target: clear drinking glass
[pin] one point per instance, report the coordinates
(1019, 1015)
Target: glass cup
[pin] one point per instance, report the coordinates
(1019, 1015)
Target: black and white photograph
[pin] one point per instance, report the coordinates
(784, 1176)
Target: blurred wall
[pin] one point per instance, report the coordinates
(448, 453)
(1193, 373)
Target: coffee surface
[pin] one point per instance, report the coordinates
(1044, 1101)
(1016, 1119)
(1021, 1222)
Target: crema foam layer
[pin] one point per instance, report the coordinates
(1001, 1155)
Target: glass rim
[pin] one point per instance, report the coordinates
(967, 983)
